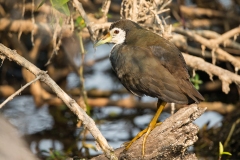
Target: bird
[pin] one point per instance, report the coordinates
(147, 64)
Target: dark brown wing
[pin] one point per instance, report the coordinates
(171, 58)
(142, 73)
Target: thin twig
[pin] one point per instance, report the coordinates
(105, 7)
(214, 35)
(26, 26)
(149, 16)
(134, 14)
(231, 132)
(88, 23)
(226, 36)
(22, 17)
(56, 41)
(18, 91)
(208, 44)
(33, 22)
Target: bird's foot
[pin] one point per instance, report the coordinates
(150, 127)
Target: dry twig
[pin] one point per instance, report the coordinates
(105, 8)
(18, 91)
(225, 76)
(213, 46)
(27, 26)
(88, 23)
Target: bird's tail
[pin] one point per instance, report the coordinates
(191, 92)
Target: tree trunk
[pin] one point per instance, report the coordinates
(167, 141)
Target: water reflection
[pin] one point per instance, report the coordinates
(23, 114)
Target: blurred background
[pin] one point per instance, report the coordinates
(54, 37)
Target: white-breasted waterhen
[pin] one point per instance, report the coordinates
(147, 64)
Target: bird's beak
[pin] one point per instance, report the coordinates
(107, 38)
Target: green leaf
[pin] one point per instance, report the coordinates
(90, 146)
(59, 2)
(226, 153)
(61, 6)
(109, 15)
(60, 21)
(113, 114)
(220, 148)
(80, 22)
(56, 155)
(196, 81)
(42, 2)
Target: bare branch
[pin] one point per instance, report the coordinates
(18, 91)
(33, 21)
(225, 76)
(226, 36)
(199, 12)
(214, 35)
(56, 43)
(28, 26)
(134, 13)
(210, 45)
(149, 16)
(105, 8)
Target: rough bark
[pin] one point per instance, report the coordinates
(167, 141)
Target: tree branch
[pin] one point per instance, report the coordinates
(27, 26)
(225, 76)
(210, 45)
(180, 132)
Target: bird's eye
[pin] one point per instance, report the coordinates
(116, 31)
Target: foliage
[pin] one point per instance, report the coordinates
(79, 23)
(196, 81)
(60, 5)
(222, 152)
(55, 155)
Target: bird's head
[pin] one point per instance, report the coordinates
(115, 35)
(118, 32)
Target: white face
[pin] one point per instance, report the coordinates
(118, 35)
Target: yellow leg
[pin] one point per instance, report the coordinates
(128, 144)
(150, 127)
